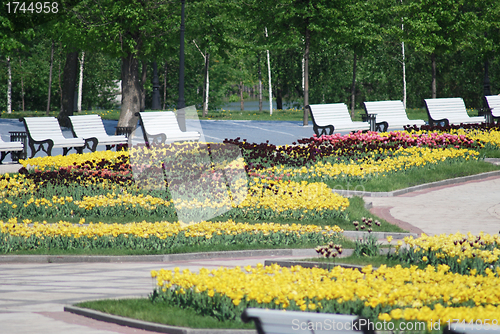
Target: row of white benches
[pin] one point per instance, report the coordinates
(44, 133)
(328, 118)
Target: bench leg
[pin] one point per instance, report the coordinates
(91, 144)
(325, 130)
(4, 154)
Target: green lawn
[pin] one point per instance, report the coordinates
(416, 176)
(159, 312)
(278, 115)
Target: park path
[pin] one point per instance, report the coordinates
(472, 206)
(33, 295)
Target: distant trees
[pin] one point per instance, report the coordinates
(320, 51)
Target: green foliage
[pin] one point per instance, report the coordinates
(160, 312)
(367, 246)
(153, 244)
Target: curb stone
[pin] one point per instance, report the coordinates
(154, 258)
(149, 326)
(186, 256)
(416, 188)
(324, 265)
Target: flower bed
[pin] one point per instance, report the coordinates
(160, 236)
(386, 294)
(463, 253)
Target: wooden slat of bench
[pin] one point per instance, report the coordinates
(393, 112)
(165, 122)
(10, 146)
(87, 126)
(452, 109)
(44, 130)
(335, 114)
(293, 322)
(91, 126)
(494, 104)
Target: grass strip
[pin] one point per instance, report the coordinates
(415, 177)
(159, 312)
(178, 250)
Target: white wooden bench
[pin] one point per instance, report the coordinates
(333, 117)
(457, 328)
(46, 131)
(493, 102)
(390, 115)
(91, 129)
(162, 127)
(294, 322)
(9, 147)
(449, 111)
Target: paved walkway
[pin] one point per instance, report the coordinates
(33, 295)
(472, 206)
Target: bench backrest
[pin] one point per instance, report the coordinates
(157, 122)
(494, 104)
(387, 111)
(87, 126)
(330, 114)
(293, 322)
(43, 128)
(449, 108)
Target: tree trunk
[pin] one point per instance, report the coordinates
(143, 82)
(50, 77)
(260, 85)
(353, 86)
(404, 73)
(80, 84)
(60, 88)
(242, 103)
(206, 85)
(279, 98)
(433, 85)
(306, 75)
(165, 87)
(9, 86)
(68, 88)
(22, 83)
(131, 92)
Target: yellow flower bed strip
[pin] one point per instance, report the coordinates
(385, 294)
(164, 237)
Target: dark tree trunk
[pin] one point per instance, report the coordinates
(50, 77)
(165, 87)
(242, 103)
(353, 86)
(131, 92)
(143, 81)
(433, 85)
(279, 98)
(22, 82)
(306, 74)
(68, 88)
(60, 89)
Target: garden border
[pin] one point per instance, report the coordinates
(186, 256)
(150, 326)
(417, 188)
